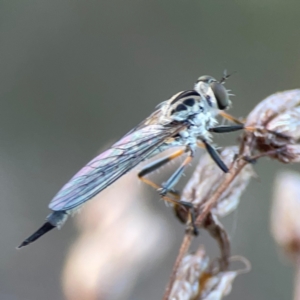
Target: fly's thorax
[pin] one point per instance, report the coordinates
(197, 130)
(204, 120)
(190, 108)
(190, 136)
(200, 125)
(183, 106)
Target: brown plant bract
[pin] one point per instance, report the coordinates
(287, 123)
(276, 125)
(206, 179)
(218, 232)
(273, 106)
(293, 152)
(198, 279)
(199, 189)
(187, 284)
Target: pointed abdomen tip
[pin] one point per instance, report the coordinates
(44, 229)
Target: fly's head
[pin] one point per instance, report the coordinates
(215, 94)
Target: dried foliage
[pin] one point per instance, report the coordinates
(197, 278)
(272, 130)
(276, 126)
(199, 189)
(206, 179)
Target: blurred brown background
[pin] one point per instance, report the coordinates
(76, 75)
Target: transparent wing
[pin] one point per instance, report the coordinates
(151, 120)
(111, 165)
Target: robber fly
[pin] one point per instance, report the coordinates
(186, 119)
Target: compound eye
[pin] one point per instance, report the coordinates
(206, 78)
(221, 95)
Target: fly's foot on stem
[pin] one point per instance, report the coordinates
(250, 160)
(163, 191)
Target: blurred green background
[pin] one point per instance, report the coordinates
(76, 75)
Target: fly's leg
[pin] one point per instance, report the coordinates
(230, 118)
(191, 209)
(230, 128)
(234, 120)
(221, 129)
(240, 124)
(215, 156)
(154, 166)
(171, 182)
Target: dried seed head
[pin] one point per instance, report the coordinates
(196, 279)
(280, 132)
(285, 221)
(218, 286)
(206, 179)
(276, 124)
(272, 106)
(187, 284)
(292, 153)
(287, 154)
(287, 124)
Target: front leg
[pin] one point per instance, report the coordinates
(215, 156)
(230, 128)
(230, 117)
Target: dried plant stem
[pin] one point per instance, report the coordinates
(217, 231)
(278, 116)
(234, 171)
(185, 245)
